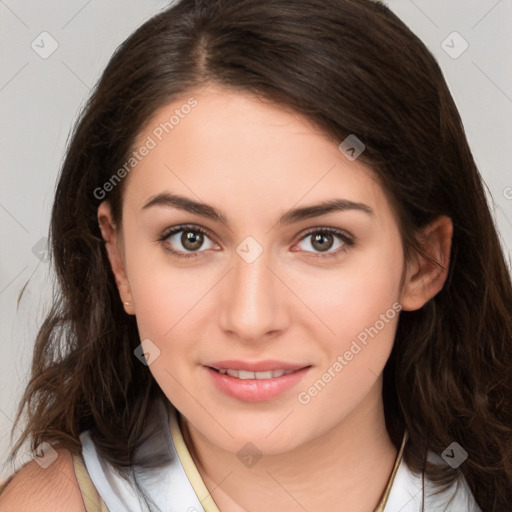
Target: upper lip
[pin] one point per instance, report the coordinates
(255, 366)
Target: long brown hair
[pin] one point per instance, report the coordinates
(351, 67)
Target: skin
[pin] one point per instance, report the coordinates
(253, 161)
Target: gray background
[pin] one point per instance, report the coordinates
(40, 98)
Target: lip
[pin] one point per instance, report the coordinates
(256, 366)
(255, 390)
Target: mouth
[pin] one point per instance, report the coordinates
(245, 370)
(255, 382)
(246, 375)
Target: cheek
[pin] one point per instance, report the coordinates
(167, 302)
(160, 290)
(362, 293)
(170, 301)
(361, 308)
(363, 313)
(167, 305)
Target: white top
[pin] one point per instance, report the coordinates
(178, 487)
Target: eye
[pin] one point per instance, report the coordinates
(191, 239)
(324, 240)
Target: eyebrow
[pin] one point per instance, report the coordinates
(290, 217)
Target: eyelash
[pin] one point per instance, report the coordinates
(343, 236)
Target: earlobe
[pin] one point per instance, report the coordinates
(112, 239)
(425, 277)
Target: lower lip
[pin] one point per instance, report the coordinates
(256, 390)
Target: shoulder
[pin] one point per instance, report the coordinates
(34, 488)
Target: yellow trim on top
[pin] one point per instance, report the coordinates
(190, 468)
(382, 505)
(92, 499)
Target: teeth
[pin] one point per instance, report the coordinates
(244, 374)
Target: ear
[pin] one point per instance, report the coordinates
(113, 245)
(424, 278)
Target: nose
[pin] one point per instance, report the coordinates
(253, 302)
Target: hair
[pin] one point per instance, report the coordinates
(350, 67)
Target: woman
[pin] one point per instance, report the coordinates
(280, 282)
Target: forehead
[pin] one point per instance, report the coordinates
(231, 148)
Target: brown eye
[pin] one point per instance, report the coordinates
(186, 245)
(191, 240)
(322, 240)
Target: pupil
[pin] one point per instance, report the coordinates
(192, 240)
(322, 236)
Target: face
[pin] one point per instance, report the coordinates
(269, 321)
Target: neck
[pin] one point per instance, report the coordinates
(347, 468)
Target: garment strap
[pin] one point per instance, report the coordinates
(189, 466)
(92, 500)
(382, 505)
